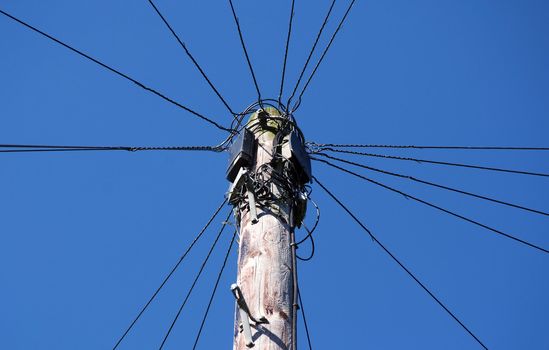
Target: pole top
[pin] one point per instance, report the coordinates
(268, 119)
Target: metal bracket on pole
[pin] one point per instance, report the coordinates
(245, 315)
(243, 179)
(251, 200)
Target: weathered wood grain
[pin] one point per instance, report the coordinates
(264, 268)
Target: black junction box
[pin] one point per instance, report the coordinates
(300, 158)
(241, 153)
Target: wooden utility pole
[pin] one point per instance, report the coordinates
(265, 260)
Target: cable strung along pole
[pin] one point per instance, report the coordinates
(296, 105)
(115, 71)
(11, 148)
(466, 148)
(169, 275)
(395, 259)
(266, 189)
(191, 57)
(429, 204)
(243, 44)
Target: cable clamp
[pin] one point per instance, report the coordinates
(245, 316)
(242, 304)
(313, 147)
(251, 199)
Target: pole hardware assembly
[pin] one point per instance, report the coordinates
(241, 153)
(246, 316)
(243, 182)
(294, 150)
(251, 200)
(269, 168)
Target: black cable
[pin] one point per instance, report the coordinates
(65, 146)
(191, 57)
(170, 273)
(310, 237)
(311, 52)
(323, 54)
(471, 166)
(395, 259)
(55, 150)
(317, 220)
(214, 290)
(436, 207)
(50, 148)
(434, 184)
(194, 282)
(493, 148)
(286, 52)
(115, 71)
(295, 287)
(237, 22)
(304, 320)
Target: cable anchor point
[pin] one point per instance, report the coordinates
(245, 316)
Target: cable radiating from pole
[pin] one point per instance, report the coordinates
(490, 148)
(286, 52)
(214, 290)
(302, 308)
(324, 53)
(191, 57)
(434, 184)
(117, 72)
(417, 160)
(395, 259)
(311, 52)
(170, 274)
(237, 22)
(436, 207)
(51, 148)
(55, 150)
(194, 282)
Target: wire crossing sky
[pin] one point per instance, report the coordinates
(89, 236)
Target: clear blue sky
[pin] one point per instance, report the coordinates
(87, 237)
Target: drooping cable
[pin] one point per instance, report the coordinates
(169, 275)
(310, 232)
(311, 239)
(302, 308)
(490, 148)
(323, 55)
(117, 72)
(51, 148)
(395, 259)
(237, 22)
(317, 220)
(194, 282)
(429, 183)
(286, 53)
(214, 290)
(311, 52)
(417, 160)
(436, 207)
(191, 57)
